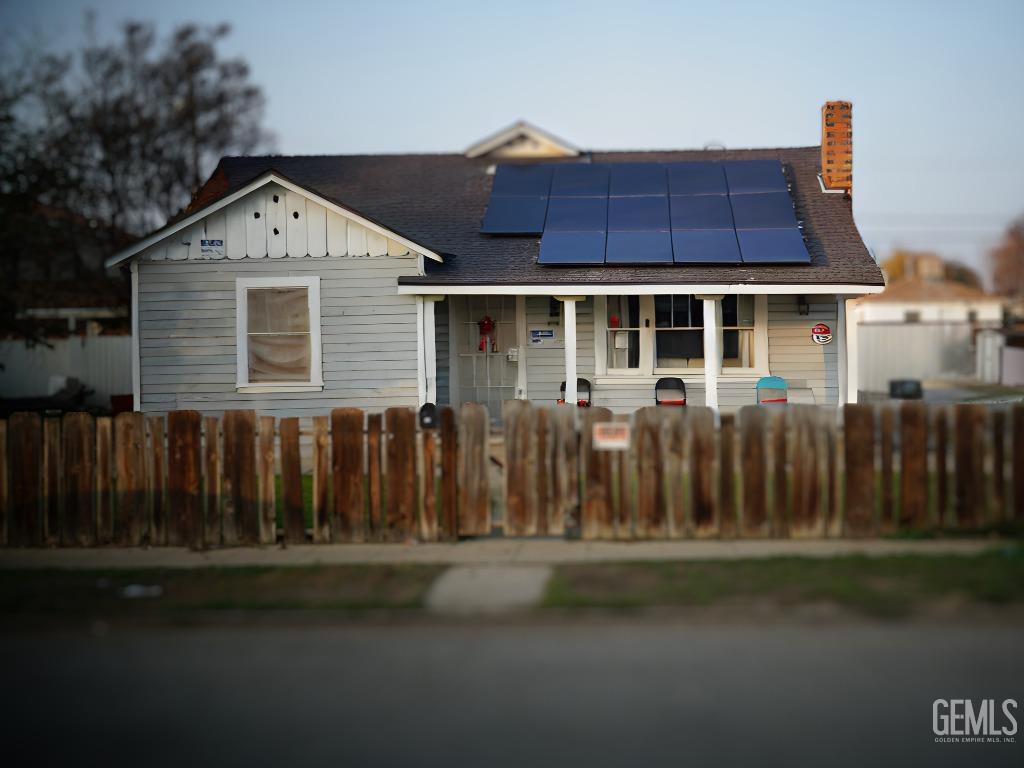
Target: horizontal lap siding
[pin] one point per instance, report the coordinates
(187, 335)
(794, 356)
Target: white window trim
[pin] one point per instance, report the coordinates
(647, 370)
(312, 286)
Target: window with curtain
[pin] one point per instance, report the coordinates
(678, 332)
(623, 330)
(738, 339)
(278, 335)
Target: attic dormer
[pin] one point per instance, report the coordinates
(521, 140)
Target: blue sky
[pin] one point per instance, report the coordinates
(936, 86)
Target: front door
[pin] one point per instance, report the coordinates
(485, 374)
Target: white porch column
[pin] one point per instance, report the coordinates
(840, 341)
(852, 353)
(712, 348)
(428, 347)
(569, 305)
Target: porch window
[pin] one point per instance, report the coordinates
(738, 341)
(278, 334)
(623, 332)
(678, 332)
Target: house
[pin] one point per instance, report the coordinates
(294, 285)
(925, 326)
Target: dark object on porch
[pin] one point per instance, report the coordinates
(582, 393)
(772, 389)
(429, 418)
(70, 397)
(673, 387)
(905, 389)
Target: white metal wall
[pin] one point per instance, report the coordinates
(913, 351)
(103, 363)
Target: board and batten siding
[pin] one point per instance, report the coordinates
(187, 335)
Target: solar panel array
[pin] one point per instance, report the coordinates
(733, 212)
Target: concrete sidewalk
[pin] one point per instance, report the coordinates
(482, 552)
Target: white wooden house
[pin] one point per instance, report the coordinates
(294, 285)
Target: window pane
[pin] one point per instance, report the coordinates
(277, 310)
(729, 310)
(275, 358)
(696, 312)
(662, 311)
(679, 349)
(745, 311)
(623, 349)
(738, 348)
(681, 313)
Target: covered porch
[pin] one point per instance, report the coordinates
(492, 346)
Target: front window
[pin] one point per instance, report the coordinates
(738, 339)
(678, 332)
(278, 332)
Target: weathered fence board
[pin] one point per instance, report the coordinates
(887, 524)
(79, 456)
(132, 520)
(753, 427)
(348, 519)
(266, 490)
(211, 481)
(374, 443)
(913, 465)
(474, 488)
(104, 478)
(449, 472)
(184, 469)
(727, 476)
(998, 465)
(674, 435)
(321, 482)
(25, 457)
(651, 521)
(805, 516)
(780, 473)
(293, 518)
(428, 481)
(400, 433)
(544, 471)
(53, 481)
(5, 496)
(241, 515)
(859, 449)
(1017, 465)
(521, 470)
(565, 482)
(970, 467)
(941, 466)
(833, 523)
(596, 513)
(157, 481)
(701, 422)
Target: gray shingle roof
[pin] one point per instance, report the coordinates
(438, 201)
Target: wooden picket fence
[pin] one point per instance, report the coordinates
(795, 471)
(196, 481)
(792, 471)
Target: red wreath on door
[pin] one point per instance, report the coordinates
(486, 326)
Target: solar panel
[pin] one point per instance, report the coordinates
(515, 216)
(772, 246)
(701, 212)
(747, 176)
(701, 178)
(531, 180)
(767, 210)
(577, 214)
(580, 181)
(639, 248)
(572, 248)
(628, 179)
(705, 246)
(638, 213)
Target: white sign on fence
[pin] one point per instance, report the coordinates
(612, 435)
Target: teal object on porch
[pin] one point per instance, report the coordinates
(772, 389)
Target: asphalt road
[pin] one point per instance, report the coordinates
(559, 694)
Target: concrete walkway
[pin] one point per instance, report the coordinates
(465, 590)
(489, 552)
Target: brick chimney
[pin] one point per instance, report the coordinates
(837, 145)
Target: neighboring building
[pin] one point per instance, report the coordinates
(929, 328)
(298, 284)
